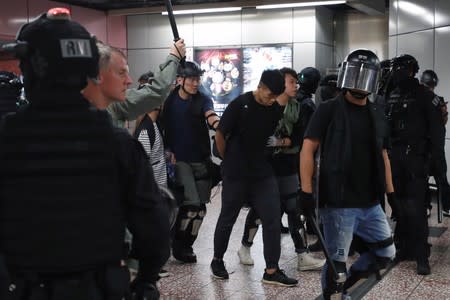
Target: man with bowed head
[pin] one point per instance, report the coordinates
(241, 139)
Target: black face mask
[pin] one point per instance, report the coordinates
(400, 76)
(358, 95)
(328, 92)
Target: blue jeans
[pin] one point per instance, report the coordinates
(340, 224)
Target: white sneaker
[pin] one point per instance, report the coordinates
(305, 261)
(245, 256)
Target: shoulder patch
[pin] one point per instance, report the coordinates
(436, 101)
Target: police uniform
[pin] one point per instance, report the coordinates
(416, 132)
(70, 181)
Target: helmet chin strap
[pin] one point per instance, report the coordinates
(184, 90)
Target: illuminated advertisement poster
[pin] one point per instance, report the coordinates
(222, 78)
(257, 59)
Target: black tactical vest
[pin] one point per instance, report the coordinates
(59, 196)
(406, 112)
(397, 109)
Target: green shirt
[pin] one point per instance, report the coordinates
(150, 96)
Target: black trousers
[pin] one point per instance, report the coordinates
(288, 186)
(410, 184)
(262, 195)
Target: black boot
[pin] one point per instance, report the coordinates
(423, 267)
(183, 252)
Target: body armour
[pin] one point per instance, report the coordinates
(415, 119)
(59, 196)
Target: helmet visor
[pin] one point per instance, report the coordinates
(359, 76)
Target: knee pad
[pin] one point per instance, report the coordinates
(198, 220)
(186, 215)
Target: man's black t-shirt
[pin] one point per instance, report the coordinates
(359, 185)
(247, 125)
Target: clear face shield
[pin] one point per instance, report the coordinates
(359, 76)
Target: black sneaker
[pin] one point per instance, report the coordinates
(446, 212)
(279, 278)
(218, 269)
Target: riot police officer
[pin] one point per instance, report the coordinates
(70, 181)
(327, 89)
(430, 79)
(308, 80)
(10, 90)
(416, 133)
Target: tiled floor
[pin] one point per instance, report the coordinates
(194, 281)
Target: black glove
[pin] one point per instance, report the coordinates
(143, 290)
(307, 203)
(397, 210)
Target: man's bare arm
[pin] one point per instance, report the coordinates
(388, 171)
(307, 163)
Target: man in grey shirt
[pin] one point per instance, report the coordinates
(110, 90)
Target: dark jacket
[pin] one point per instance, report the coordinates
(198, 122)
(336, 153)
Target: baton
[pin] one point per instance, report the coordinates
(173, 24)
(325, 249)
(439, 200)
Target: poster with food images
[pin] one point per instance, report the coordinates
(221, 79)
(257, 59)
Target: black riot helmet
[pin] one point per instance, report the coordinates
(189, 69)
(308, 79)
(329, 80)
(55, 52)
(327, 88)
(429, 78)
(405, 61)
(359, 71)
(403, 67)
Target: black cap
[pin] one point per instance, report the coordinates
(274, 80)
